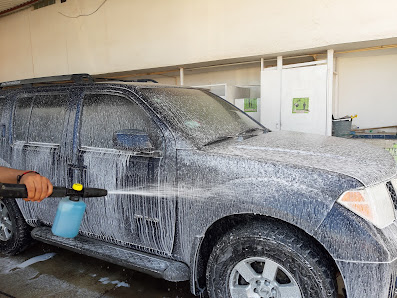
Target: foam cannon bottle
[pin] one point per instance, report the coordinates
(70, 209)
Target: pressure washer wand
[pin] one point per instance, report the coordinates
(70, 209)
(19, 191)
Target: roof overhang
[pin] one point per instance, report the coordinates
(11, 6)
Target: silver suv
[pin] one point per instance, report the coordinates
(199, 191)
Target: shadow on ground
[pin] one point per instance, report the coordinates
(68, 274)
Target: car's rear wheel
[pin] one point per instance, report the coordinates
(14, 231)
(267, 260)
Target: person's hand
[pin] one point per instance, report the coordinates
(38, 187)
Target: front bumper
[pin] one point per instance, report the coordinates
(369, 280)
(365, 255)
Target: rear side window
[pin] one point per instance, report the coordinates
(21, 118)
(104, 114)
(3, 121)
(48, 118)
(40, 118)
(2, 103)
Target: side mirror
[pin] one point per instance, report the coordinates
(132, 139)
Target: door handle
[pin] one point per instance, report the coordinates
(76, 167)
(76, 173)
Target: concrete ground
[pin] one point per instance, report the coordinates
(48, 271)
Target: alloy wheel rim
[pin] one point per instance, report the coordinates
(6, 227)
(261, 277)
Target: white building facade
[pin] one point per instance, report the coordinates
(339, 57)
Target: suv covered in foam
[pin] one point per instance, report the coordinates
(199, 191)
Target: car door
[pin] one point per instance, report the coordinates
(38, 143)
(138, 211)
(4, 150)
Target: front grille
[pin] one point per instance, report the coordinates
(392, 193)
(392, 286)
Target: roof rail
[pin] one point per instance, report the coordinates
(75, 78)
(144, 80)
(126, 81)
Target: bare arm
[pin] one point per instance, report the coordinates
(38, 187)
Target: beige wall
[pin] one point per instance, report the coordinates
(126, 35)
(367, 87)
(248, 75)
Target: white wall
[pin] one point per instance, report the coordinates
(248, 76)
(368, 88)
(128, 35)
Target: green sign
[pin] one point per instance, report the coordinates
(300, 105)
(393, 151)
(250, 104)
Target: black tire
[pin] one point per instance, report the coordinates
(15, 232)
(300, 265)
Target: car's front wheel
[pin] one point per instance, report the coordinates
(268, 260)
(14, 231)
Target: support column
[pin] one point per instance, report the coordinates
(181, 76)
(270, 107)
(330, 87)
(280, 73)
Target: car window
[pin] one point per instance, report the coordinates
(2, 102)
(203, 116)
(22, 112)
(3, 121)
(104, 114)
(48, 118)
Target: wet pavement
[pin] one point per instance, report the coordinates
(48, 271)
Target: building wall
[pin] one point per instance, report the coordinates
(367, 87)
(126, 35)
(241, 76)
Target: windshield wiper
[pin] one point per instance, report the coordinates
(218, 140)
(243, 133)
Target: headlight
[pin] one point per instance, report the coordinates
(372, 203)
(394, 182)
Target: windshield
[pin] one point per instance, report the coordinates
(203, 117)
